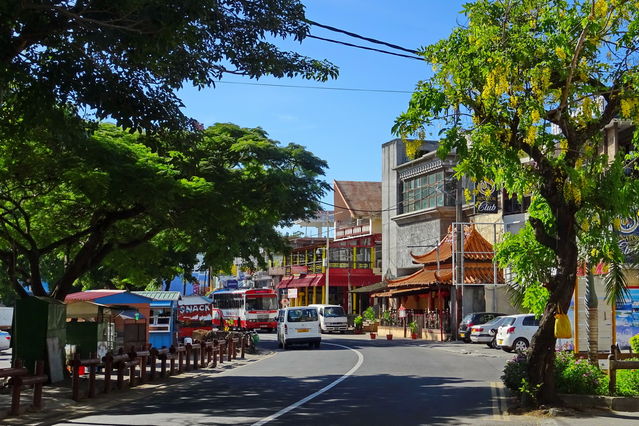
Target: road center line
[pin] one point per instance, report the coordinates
(360, 360)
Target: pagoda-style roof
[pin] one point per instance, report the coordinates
(474, 273)
(476, 248)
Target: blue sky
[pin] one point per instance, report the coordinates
(346, 129)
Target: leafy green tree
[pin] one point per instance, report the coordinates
(74, 208)
(523, 93)
(125, 59)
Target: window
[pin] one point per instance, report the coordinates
(423, 192)
(531, 321)
(261, 303)
(512, 204)
(302, 315)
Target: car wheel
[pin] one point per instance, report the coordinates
(493, 344)
(507, 349)
(490, 344)
(520, 344)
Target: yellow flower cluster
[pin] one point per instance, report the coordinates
(412, 147)
(534, 116)
(629, 107)
(496, 83)
(601, 8)
(616, 223)
(531, 135)
(561, 53)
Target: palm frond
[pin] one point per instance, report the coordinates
(616, 284)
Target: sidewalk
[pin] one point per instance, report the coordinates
(58, 405)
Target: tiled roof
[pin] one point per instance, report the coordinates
(476, 247)
(159, 295)
(474, 273)
(361, 198)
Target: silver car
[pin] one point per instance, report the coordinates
(485, 333)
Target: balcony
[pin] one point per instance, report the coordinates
(352, 231)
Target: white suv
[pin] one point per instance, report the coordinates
(298, 325)
(516, 332)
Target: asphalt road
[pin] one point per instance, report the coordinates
(350, 380)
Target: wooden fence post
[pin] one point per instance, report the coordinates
(16, 388)
(153, 361)
(37, 387)
(189, 348)
(612, 371)
(173, 355)
(108, 369)
(75, 378)
(92, 369)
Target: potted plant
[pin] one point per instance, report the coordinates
(373, 335)
(358, 322)
(413, 329)
(386, 319)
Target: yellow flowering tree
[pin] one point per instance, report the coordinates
(523, 92)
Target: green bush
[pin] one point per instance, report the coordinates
(628, 381)
(634, 343)
(369, 314)
(574, 375)
(516, 373)
(358, 321)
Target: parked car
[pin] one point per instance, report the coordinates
(332, 318)
(516, 332)
(298, 325)
(5, 340)
(471, 319)
(486, 333)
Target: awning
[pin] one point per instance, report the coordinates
(371, 288)
(343, 280)
(305, 281)
(284, 282)
(161, 304)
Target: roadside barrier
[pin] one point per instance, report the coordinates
(141, 364)
(615, 364)
(19, 377)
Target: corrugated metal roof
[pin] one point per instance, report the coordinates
(159, 295)
(363, 199)
(90, 295)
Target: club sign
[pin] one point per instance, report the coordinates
(486, 198)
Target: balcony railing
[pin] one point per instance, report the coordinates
(351, 231)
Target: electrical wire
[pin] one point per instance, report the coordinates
(354, 35)
(330, 40)
(347, 89)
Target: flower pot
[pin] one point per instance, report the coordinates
(389, 337)
(413, 336)
(373, 335)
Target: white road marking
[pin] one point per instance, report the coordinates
(360, 360)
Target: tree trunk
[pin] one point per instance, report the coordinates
(592, 314)
(561, 287)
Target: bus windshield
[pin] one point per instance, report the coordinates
(261, 304)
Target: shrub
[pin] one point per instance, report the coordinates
(369, 314)
(413, 327)
(628, 381)
(358, 321)
(634, 343)
(573, 375)
(516, 373)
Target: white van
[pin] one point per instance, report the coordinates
(332, 318)
(298, 325)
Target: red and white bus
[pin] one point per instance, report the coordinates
(249, 308)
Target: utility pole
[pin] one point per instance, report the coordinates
(459, 193)
(328, 258)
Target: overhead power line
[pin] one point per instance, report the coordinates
(364, 47)
(346, 89)
(372, 40)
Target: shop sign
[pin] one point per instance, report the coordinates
(486, 198)
(299, 270)
(629, 236)
(191, 313)
(292, 293)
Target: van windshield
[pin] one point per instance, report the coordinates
(302, 315)
(334, 311)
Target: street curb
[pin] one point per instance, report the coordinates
(70, 409)
(616, 403)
